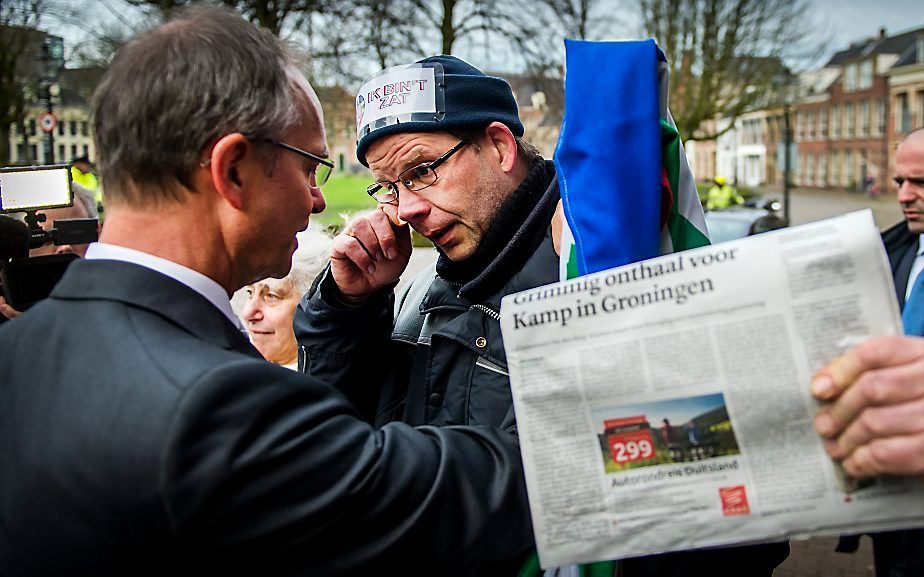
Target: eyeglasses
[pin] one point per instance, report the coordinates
(320, 173)
(414, 179)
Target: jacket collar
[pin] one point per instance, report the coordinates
(540, 269)
(511, 240)
(144, 288)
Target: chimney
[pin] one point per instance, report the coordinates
(882, 32)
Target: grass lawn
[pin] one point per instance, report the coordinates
(345, 194)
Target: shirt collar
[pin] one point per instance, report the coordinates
(197, 281)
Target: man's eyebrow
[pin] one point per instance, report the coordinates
(411, 163)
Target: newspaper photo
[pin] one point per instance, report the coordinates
(665, 405)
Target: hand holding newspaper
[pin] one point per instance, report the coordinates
(665, 405)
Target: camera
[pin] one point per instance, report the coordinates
(27, 192)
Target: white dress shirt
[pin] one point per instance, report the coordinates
(197, 281)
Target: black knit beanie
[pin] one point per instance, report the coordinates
(470, 99)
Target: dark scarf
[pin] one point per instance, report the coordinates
(515, 234)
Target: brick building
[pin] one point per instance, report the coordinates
(842, 130)
(906, 93)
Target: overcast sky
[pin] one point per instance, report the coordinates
(839, 21)
(847, 21)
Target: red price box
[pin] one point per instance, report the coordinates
(632, 446)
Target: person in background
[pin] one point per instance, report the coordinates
(271, 302)
(84, 173)
(722, 195)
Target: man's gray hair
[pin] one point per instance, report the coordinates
(310, 258)
(173, 90)
(85, 199)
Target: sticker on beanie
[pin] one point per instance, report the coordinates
(395, 95)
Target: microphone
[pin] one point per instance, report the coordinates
(14, 238)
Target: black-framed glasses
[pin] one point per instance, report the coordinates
(320, 174)
(416, 178)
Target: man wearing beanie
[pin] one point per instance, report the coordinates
(443, 141)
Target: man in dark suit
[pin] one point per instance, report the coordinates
(142, 434)
(902, 240)
(901, 553)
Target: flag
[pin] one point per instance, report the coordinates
(626, 187)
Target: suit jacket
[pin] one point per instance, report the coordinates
(900, 553)
(141, 434)
(901, 246)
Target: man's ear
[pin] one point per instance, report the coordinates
(503, 141)
(232, 164)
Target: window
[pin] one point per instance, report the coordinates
(920, 120)
(86, 150)
(823, 124)
(32, 126)
(849, 119)
(850, 78)
(20, 152)
(34, 149)
(73, 128)
(864, 118)
(60, 127)
(835, 176)
(848, 169)
(835, 122)
(60, 153)
(866, 75)
(822, 176)
(73, 148)
(83, 128)
(810, 170)
(800, 125)
(902, 114)
(811, 126)
(880, 117)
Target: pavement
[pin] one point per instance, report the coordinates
(808, 205)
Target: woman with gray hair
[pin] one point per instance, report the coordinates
(271, 302)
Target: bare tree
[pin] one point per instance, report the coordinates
(274, 15)
(20, 44)
(579, 19)
(724, 55)
(454, 20)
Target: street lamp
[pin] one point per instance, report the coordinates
(51, 59)
(786, 84)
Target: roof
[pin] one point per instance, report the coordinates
(876, 45)
(911, 55)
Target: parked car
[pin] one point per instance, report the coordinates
(740, 221)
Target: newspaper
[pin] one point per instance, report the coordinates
(665, 405)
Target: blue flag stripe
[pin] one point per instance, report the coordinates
(609, 152)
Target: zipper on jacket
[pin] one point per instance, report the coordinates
(487, 310)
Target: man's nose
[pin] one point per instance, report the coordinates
(318, 204)
(411, 206)
(64, 248)
(907, 193)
